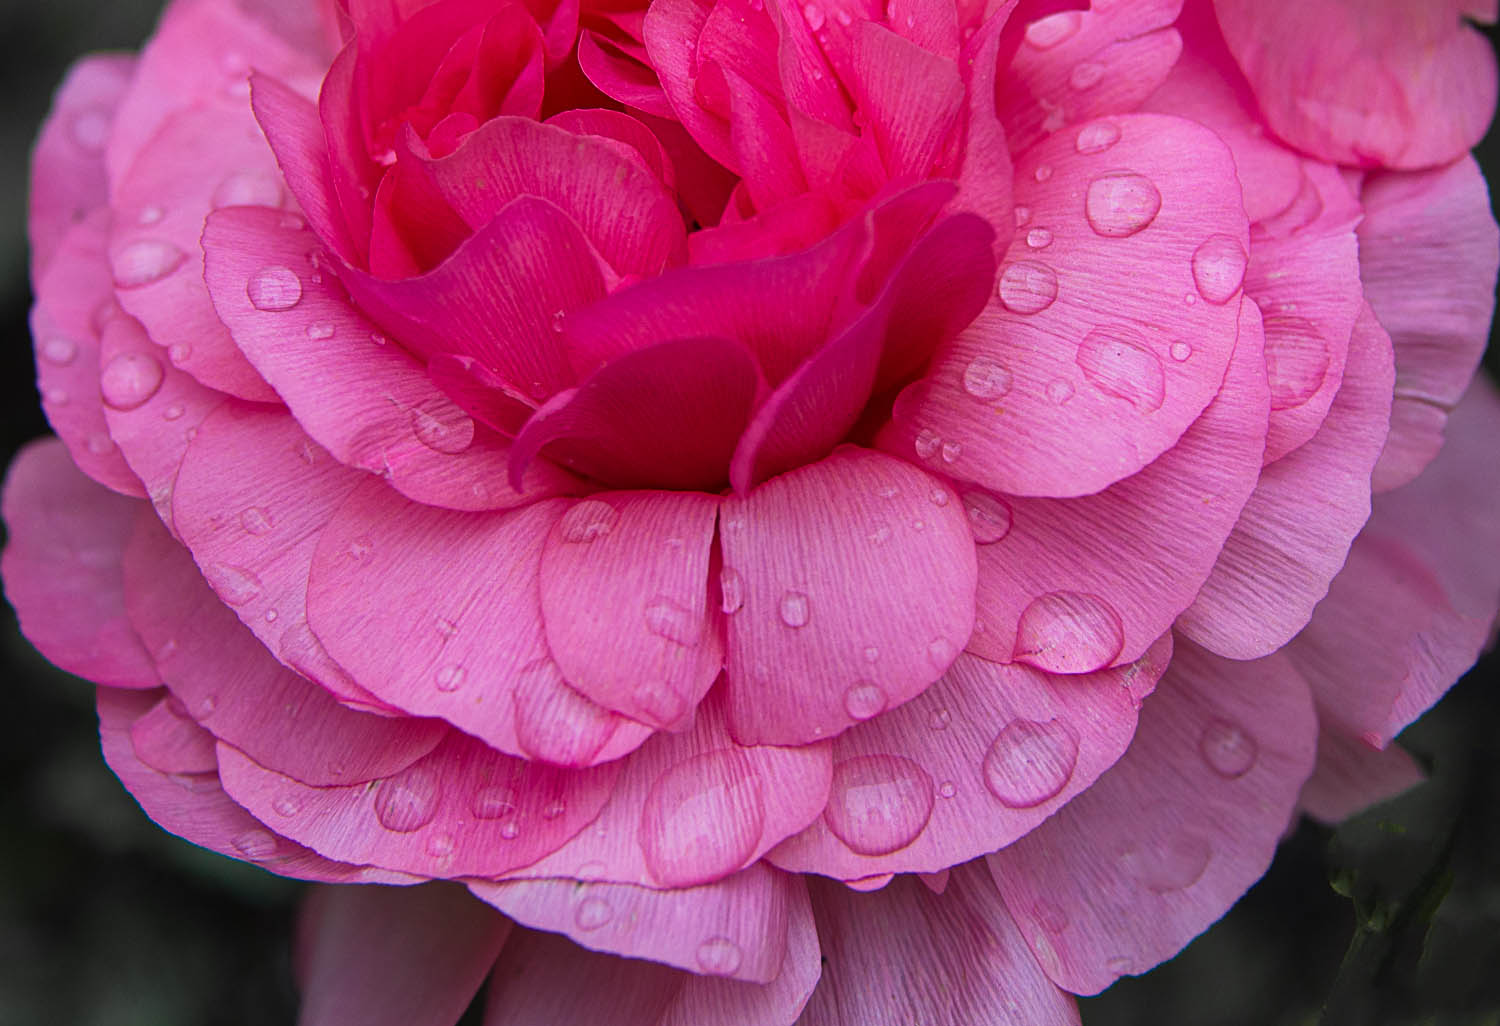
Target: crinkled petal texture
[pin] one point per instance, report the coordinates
(770, 512)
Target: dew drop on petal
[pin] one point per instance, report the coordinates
(249, 189)
(286, 805)
(440, 846)
(1181, 351)
(1068, 632)
(947, 789)
(1030, 762)
(941, 653)
(939, 719)
(668, 618)
(593, 913)
(1096, 137)
(274, 288)
(443, 428)
(234, 584)
(1171, 864)
(1043, 172)
(255, 520)
(1227, 749)
(989, 517)
(1059, 390)
(1120, 204)
(1085, 75)
(450, 677)
(814, 15)
(794, 609)
(732, 590)
(719, 956)
(59, 351)
(129, 380)
(1124, 367)
(864, 700)
(90, 129)
(1022, 215)
(878, 803)
(986, 379)
(145, 261)
(408, 800)
(1027, 287)
(1219, 268)
(1039, 238)
(702, 819)
(1045, 33)
(256, 845)
(951, 451)
(928, 443)
(493, 803)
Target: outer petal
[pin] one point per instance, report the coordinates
(62, 568)
(1065, 383)
(1353, 774)
(905, 955)
(1175, 833)
(975, 762)
(1388, 83)
(849, 585)
(166, 739)
(394, 956)
(1296, 529)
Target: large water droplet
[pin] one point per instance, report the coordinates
(234, 584)
(864, 700)
(442, 427)
(1027, 287)
(496, 802)
(61, 351)
(702, 819)
(1118, 364)
(668, 618)
(1045, 33)
(593, 913)
(1085, 75)
(989, 517)
(1097, 136)
(1219, 268)
(1030, 762)
(732, 590)
(794, 609)
(878, 803)
(1296, 359)
(256, 845)
(1227, 748)
(719, 956)
(130, 379)
(1069, 632)
(1120, 204)
(274, 288)
(588, 521)
(408, 800)
(1171, 864)
(255, 520)
(145, 261)
(249, 189)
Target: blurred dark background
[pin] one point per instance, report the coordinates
(107, 921)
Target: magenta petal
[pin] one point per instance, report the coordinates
(395, 956)
(1296, 529)
(620, 77)
(1068, 381)
(851, 575)
(462, 810)
(439, 613)
(735, 927)
(62, 568)
(1134, 554)
(975, 762)
(911, 97)
(1352, 774)
(1175, 833)
(963, 947)
(166, 739)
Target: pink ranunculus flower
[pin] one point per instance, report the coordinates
(804, 512)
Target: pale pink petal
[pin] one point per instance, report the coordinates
(1163, 844)
(1066, 383)
(67, 164)
(232, 686)
(1296, 529)
(463, 810)
(395, 956)
(167, 739)
(979, 759)
(62, 567)
(1072, 585)
(735, 927)
(905, 955)
(1352, 774)
(1392, 83)
(851, 575)
(1428, 253)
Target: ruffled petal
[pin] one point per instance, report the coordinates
(1352, 774)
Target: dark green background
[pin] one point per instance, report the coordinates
(107, 921)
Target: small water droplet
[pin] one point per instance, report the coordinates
(1120, 364)
(286, 805)
(1022, 215)
(440, 846)
(256, 844)
(719, 956)
(493, 803)
(99, 444)
(145, 261)
(668, 618)
(408, 800)
(1039, 238)
(553, 809)
(941, 653)
(1120, 204)
(794, 609)
(271, 616)
(947, 789)
(320, 331)
(234, 584)
(255, 520)
(1181, 351)
(1227, 748)
(1068, 632)
(880, 535)
(90, 129)
(274, 289)
(660, 702)
(951, 451)
(60, 351)
(864, 700)
(814, 15)
(55, 397)
(1119, 964)
(1030, 762)
(989, 517)
(1052, 918)
(878, 803)
(249, 189)
(449, 678)
(510, 830)
(872, 654)
(1219, 268)
(939, 719)
(732, 590)
(1059, 390)
(1097, 136)
(150, 215)
(179, 353)
(1045, 33)
(1027, 287)
(1043, 172)
(1085, 75)
(588, 521)
(938, 497)
(206, 706)
(592, 913)
(986, 379)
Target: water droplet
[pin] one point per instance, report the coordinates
(90, 129)
(947, 789)
(553, 809)
(1043, 172)
(58, 350)
(408, 800)
(989, 517)
(880, 535)
(442, 427)
(592, 913)
(1296, 359)
(179, 353)
(1227, 748)
(1181, 351)
(702, 819)
(130, 379)
(1120, 365)
(99, 444)
(286, 805)
(145, 261)
(732, 589)
(440, 846)
(928, 443)
(939, 719)
(1039, 238)
(588, 521)
(941, 653)
(1120, 204)
(1189, 298)
(1059, 390)
(719, 956)
(1219, 268)
(446, 628)
(1169, 864)
(249, 189)
(150, 215)
(234, 584)
(493, 803)
(450, 677)
(274, 288)
(271, 615)
(1052, 918)
(878, 803)
(1030, 762)
(591, 870)
(864, 700)
(872, 654)
(938, 497)
(1027, 287)
(255, 520)
(1022, 215)
(1045, 33)
(1068, 632)
(660, 703)
(1119, 964)
(814, 15)
(951, 451)
(510, 830)
(794, 609)
(668, 618)
(256, 844)
(1097, 136)
(986, 379)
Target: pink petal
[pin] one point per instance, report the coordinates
(911, 97)
(1428, 253)
(1352, 774)
(66, 539)
(978, 760)
(1009, 406)
(230, 685)
(620, 77)
(986, 176)
(74, 298)
(905, 955)
(67, 165)
(1131, 557)
(395, 956)
(1175, 833)
(365, 401)
(1387, 83)
(439, 613)
(736, 927)
(462, 810)
(1295, 531)
(764, 148)
(671, 31)
(853, 574)
(200, 159)
(166, 739)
